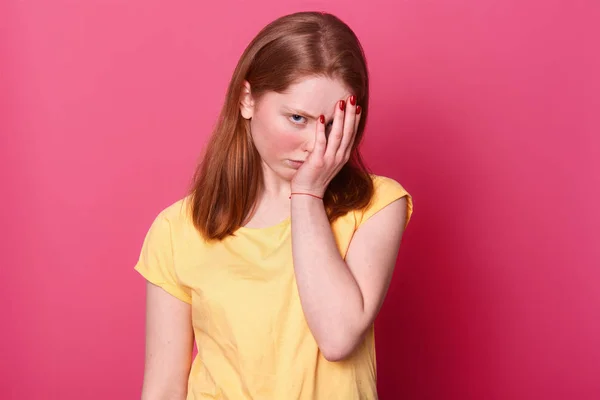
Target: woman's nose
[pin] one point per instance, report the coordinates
(309, 139)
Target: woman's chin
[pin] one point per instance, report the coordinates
(287, 173)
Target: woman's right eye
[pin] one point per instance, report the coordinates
(298, 119)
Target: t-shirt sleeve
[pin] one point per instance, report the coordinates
(387, 191)
(156, 260)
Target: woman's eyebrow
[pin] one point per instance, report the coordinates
(300, 112)
(304, 113)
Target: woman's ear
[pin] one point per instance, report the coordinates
(246, 101)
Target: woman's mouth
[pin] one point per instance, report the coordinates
(295, 163)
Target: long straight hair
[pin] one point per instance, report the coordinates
(229, 177)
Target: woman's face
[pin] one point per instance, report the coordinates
(283, 125)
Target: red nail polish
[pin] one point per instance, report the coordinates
(342, 105)
(322, 119)
(358, 110)
(353, 100)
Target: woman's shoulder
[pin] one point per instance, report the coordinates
(384, 185)
(176, 214)
(386, 190)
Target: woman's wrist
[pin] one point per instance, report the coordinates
(305, 206)
(308, 194)
(304, 191)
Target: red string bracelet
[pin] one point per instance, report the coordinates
(306, 194)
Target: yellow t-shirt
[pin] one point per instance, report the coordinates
(252, 338)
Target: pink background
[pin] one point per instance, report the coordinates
(486, 111)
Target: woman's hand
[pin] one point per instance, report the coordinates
(328, 155)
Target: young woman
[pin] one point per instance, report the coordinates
(279, 259)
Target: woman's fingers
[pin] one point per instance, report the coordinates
(358, 113)
(337, 131)
(349, 130)
(320, 139)
(337, 147)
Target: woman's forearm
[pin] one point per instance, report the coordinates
(330, 296)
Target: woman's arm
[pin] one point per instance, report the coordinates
(341, 298)
(169, 346)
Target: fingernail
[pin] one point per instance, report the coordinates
(342, 105)
(358, 110)
(322, 119)
(353, 100)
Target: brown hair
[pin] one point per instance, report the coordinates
(229, 177)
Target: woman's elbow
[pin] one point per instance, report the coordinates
(334, 355)
(158, 393)
(339, 349)
(165, 397)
